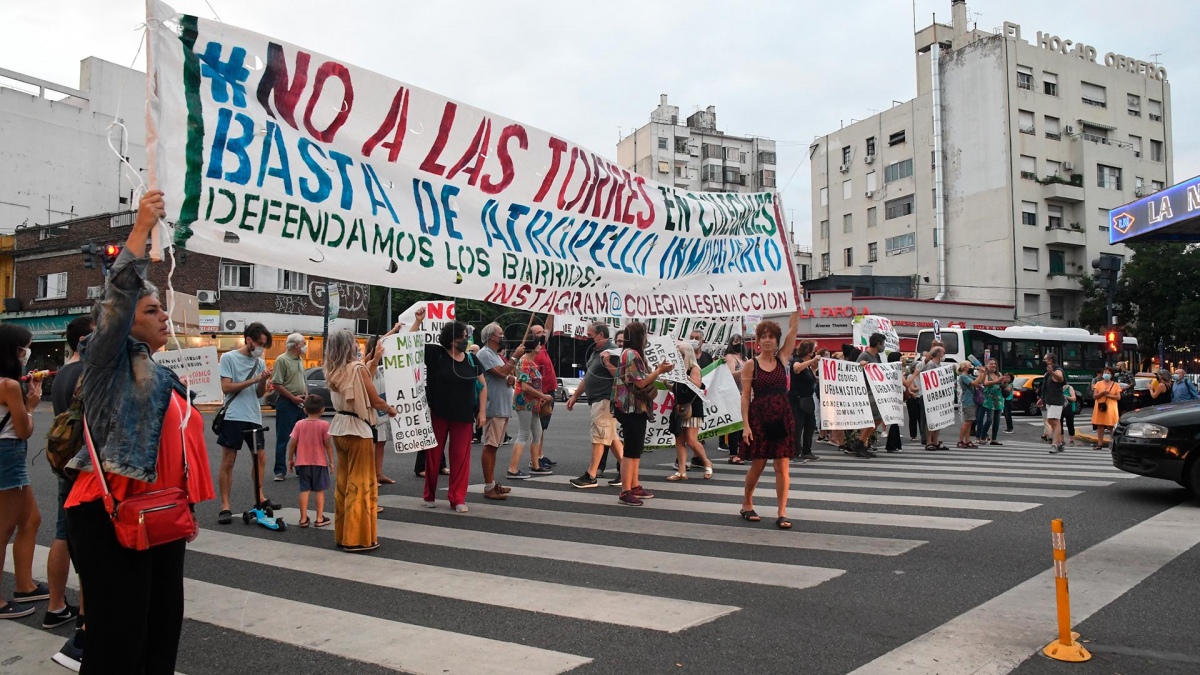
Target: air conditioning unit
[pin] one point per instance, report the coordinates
(1068, 166)
(233, 326)
(1137, 192)
(206, 297)
(869, 159)
(844, 168)
(1068, 129)
(95, 292)
(870, 193)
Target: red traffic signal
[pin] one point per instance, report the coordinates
(1113, 340)
(111, 251)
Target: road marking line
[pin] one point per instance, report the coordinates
(799, 479)
(1000, 634)
(871, 469)
(915, 471)
(848, 497)
(841, 543)
(731, 509)
(390, 644)
(981, 463)
(646, 560)
(27, 650)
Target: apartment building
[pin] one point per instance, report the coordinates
(695, 155)
(1022, 143)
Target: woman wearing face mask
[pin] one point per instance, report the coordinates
(1160, 387)
(356, 492)
(528, 399)
(450, 386)
(993, 403)
(18, 510)
(735, 358)
(1106, 393)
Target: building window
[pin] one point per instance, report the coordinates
(1139, 186)
(897, 171)
(294, 282)
(711, 151)
(767, 177)
(847, 223)
(1032, 302)
(732, 175)
(1054, 217)
(1024, 77)
(1156, 150)
(1030, 258)
(824, 196)
(1029, 213)
(846, 154)
(872, 252)
(872, 217)
(1136, 142)
(662, 143)
(1094, 94)
(871, 147)
(1094, 134)
(1053, 130)
(741, 158)
(1056, 307)
(731, 154)
(804, 273)
(847, 189)
(1058, 262)
(825, 263)
(1053, 168)
(1155, 110)
(824, 229)
(1133, 105)
(895, 208)
(1029, 167)
(1108, 177)
(1025, 122)
(51, 286)
(900, 244)
(664, 167)
(765, 157)
(1156, 185)
(236, 275)
(1049, 84)
(848, 255)
(1103, 220)
(871, 182)
(896, 138)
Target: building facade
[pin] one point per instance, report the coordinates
(695, 155)
(1039, 137)
(53, 286)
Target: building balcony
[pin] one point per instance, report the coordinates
(1062, 192)
(1063, 283)
(1063, 235)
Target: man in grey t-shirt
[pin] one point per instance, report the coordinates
(497, 374)
(597, 384)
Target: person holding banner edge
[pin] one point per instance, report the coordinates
(633, 400)
(688, 418)
(801, 395)
(498, 372)
(769, 428)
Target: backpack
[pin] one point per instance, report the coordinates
(65, 438)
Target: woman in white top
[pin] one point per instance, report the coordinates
(356, 494)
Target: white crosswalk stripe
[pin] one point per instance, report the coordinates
(867, 469)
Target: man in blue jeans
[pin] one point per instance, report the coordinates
(289, 404)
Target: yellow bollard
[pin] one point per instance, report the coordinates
(1065, 648)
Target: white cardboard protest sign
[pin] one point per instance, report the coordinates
(722, 408)
(403, 366)
(844, 402)
(888, 390)
(937, 391)
(197, 368)
(662, 349)
(866, 324)
(269, 151)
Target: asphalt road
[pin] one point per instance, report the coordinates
(915, 562)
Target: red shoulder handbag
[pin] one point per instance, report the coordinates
(151, 518)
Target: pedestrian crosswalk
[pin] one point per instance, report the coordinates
(845, 511)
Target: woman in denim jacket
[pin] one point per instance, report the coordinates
(135, 410)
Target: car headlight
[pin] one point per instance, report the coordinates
(1146, 430)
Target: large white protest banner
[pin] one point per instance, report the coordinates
(866, 324)
(662, 349)
(888, 390)
(844, 402)
(403, 366)
(722, 408)
(937, 390)
(270, 151)
(715, 331)
(196, 367)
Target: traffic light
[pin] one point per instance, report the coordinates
(1113, 340)
(90, 251)
(111, 251)
(1107, 267)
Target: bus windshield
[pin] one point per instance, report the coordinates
(949, 341)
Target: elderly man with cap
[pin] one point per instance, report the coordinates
(290, 391)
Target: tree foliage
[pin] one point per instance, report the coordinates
(1158, 296)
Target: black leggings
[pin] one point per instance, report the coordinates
(633, 433)
(134, 598)
(915, 410)
(805, 416)
(1068, 421)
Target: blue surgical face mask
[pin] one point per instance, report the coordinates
(1176, 377)
(1107, 376)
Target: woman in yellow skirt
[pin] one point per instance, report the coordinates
(1106, 392)
(356, 493)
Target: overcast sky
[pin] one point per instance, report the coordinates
(790, 71)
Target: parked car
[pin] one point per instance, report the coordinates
(566, 388)
(314, 381)
(1025, 394)
(1161, 441)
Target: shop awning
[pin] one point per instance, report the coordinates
(44, 328)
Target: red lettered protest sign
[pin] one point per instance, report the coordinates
(937, 392)
(886, 387)
(844, 402)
